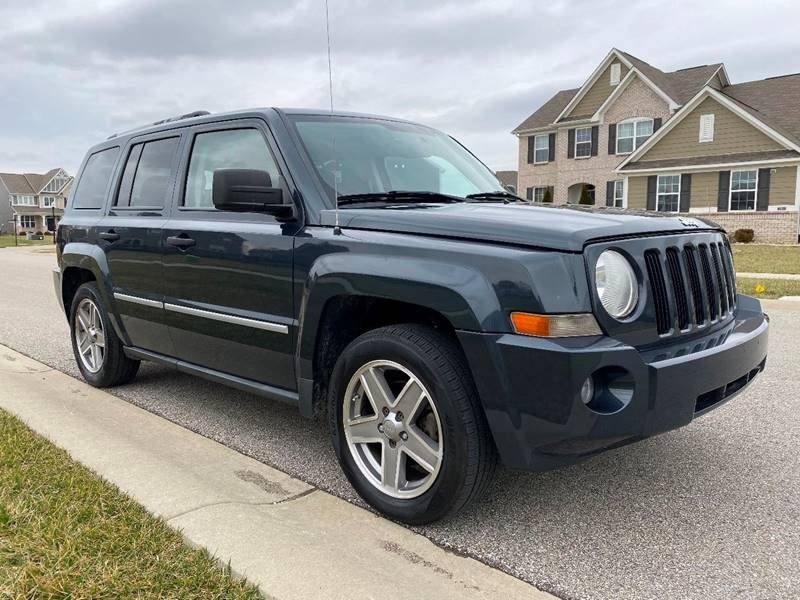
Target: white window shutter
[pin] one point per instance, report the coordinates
(706, 128)
(616, 71)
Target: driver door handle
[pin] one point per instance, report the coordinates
(180, 241)
(110, 235)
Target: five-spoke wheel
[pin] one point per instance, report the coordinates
(89, 335)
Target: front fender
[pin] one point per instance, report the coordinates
(459, 293)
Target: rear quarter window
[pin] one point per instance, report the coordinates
(93, 184)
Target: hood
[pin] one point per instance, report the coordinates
(557, 227)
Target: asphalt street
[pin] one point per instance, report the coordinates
(709, 511)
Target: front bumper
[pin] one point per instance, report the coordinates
(530, 387)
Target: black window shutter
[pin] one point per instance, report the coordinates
(612, 138)
(552, 147)
(724, 186)
(531, 147)
(595, 139)
(686, 192)
(652, 186)
(609, 193)
(762, 199)
(529, 193)
(656, 124)
(571, 143)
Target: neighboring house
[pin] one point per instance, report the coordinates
(686, 141)
(34, 202)
(508, 178)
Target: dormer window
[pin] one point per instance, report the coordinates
(616, 73)
(633, 133)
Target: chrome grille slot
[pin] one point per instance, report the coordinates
(722, 284)
(711, 291)
(690, 258)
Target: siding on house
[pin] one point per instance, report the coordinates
(597, 94)
(705, 189)
(637, 192)
(783, 186)
(5, 211)
(732, 135)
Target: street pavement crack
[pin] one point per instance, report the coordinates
(242, 502)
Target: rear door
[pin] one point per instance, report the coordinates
(131, 236)
(228, 275)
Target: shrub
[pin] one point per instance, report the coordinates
(38, 233)
(743, 236)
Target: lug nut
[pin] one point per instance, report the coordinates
(392, 443)
(399, 416)
(403, 436)
(385, 412)
(380, 427)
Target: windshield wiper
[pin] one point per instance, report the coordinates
(398, 196)
(505, 197)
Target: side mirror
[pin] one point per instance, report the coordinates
(249, 190)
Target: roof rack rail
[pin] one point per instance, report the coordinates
(189, 115)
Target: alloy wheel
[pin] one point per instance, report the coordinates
(90, 335)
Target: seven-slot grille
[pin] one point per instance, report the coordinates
(691, 285)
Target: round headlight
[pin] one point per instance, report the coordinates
(616, 284)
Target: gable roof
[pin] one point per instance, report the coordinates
(27, 183)
(676, 87)
(750, 115)
(773, 100)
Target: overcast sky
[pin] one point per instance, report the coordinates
(74, 71)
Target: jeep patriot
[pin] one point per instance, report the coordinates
(373, 272)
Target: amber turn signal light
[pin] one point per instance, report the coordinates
(552, 326)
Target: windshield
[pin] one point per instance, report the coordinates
(372, 156)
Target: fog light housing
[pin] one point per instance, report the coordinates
(587, 390)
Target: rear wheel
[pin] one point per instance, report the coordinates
(406, 424)
(98, 351)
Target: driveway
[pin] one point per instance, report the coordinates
(709, 511)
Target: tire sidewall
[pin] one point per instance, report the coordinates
(438, 499)
(101, 377)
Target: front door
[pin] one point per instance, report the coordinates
(228, 275)
(131, 236)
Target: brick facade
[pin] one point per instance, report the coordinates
(773, 227)
(637, 100)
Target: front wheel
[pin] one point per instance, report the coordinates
(406, 424)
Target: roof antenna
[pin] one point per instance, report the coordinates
(336, 174)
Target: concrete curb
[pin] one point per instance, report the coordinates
(789, 276)
(290, 539)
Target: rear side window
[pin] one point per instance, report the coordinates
(92, 187)
(147, 178)
(229, 149)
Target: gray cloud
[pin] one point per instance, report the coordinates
(75, 71)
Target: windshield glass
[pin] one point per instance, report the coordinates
(371, 156)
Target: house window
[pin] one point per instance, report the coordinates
(541, 149)
(744, 190)
(632, 134)
(55, 184)
(706, 128)
(616, 71)
(619, 193)
(27, 221)
(668, 193)
(48, 201)
(583, 142)
(24, 201)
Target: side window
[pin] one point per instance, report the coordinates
(147, 179)
(229, 149)
(91, 190)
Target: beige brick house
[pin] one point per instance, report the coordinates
(32, 202)
(633, 136)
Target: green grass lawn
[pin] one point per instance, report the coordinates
(8, 240)
(759, 258)
(65, 533)
(772, 288)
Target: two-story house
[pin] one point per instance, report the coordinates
(633, 136)
(32, 202)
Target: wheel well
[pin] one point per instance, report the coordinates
(71, 280)
(344, 318)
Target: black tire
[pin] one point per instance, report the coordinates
(116, 368)
(469, 457)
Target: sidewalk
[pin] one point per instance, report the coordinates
(793, 276)
(290, 539)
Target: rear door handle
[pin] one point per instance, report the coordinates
(180, 241)
(110, 235)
